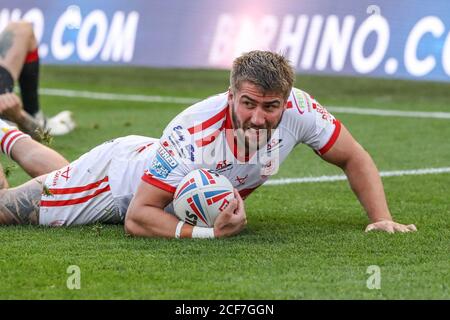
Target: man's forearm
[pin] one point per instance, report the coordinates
(153, 222)
(366, 183)
(146, 221)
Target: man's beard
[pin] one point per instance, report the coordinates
(262, 134)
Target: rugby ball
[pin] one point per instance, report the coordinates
(201, 196)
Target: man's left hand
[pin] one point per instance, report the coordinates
(390, 226)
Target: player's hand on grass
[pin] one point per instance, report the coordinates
(11, 107)
(232, 219)
(390, 226)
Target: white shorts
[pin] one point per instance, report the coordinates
(80, 192)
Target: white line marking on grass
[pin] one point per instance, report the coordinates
(189, 101)
(397, 173)
(114, 96)
(390, 113)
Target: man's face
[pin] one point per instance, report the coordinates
(255, 113)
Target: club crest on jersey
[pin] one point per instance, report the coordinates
(274, 144)
(223, 166)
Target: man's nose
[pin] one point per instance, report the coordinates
(258, 117)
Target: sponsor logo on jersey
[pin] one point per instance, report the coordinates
(63, 173)
(168, 147)
(178, 148)
(175, 147)
(158, 169)
(162, 164)
(190, 149)
(223, 166)
(323, 113)
(178, 131)
(166, 156)
(56, 177)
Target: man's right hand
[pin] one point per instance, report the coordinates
(11, 107)
(232, 219)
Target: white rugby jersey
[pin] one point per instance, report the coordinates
(197, 138)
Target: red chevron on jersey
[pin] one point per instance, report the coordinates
(208, 123)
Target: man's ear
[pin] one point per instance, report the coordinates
(230, 95)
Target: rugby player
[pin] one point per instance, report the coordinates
(243, 134)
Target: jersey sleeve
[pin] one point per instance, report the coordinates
(312, 124)
(172, 160)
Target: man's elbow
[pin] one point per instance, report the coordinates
(133, 226)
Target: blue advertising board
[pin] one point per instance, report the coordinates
(400, 39)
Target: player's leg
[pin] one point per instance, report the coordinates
(21, 205)
(16, 42)
(35, 158)
(19, 60)
(29, 75)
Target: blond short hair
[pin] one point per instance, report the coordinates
(268, 70)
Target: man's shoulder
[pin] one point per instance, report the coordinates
(195, 128)
(202, 117)
(300, 101)
(299, 110)
(204, 109)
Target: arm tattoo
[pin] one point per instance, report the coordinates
(6, 40)
(21, 205)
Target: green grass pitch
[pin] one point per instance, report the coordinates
(303, 241)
